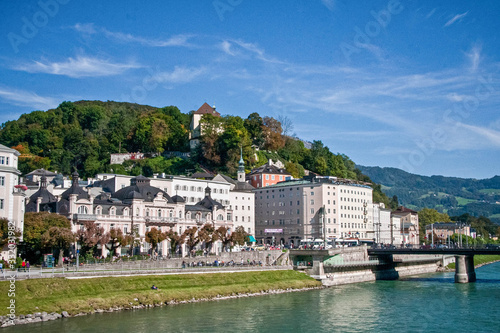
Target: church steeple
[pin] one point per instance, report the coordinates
(241, 167)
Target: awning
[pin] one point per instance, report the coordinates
(252, 239)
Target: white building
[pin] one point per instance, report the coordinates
(290, 211)
(12, 195)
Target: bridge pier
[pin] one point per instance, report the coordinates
(464, 269)
(318, 269)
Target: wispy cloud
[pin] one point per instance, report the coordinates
(80, 66)
(177, 40)
(456, 18)
(474, 56)
(179, 75)
(242, 48)
(27, 98)
(330, 4)
(431, 13)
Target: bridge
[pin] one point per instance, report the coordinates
(464, 258)
(383, 265)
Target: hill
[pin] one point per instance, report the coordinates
(82, 135)
(451, 195)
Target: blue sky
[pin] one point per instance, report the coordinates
(410, 84)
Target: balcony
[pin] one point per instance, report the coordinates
(84, 217)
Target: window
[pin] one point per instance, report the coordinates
(1, 203)
(312, 210)
(267, 176)
(2, 181)
(82, 210)
(2, 159)
(272, 177)
(125, 229)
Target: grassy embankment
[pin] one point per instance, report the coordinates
(480, 260)
(87, 295)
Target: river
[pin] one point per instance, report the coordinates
(424, 303)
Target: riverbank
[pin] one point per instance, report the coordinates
(479, 260)
(48, 299)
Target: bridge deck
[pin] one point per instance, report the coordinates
(459, 251)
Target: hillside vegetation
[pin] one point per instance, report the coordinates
(451, 195)
(82, 135)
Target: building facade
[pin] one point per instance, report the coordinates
(295, 210)
(12, 197)
(195, 130)
(267, 175)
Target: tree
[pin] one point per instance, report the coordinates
(118, 239)
(224, 236)
(4, 233)
(254, 124)
(191, 237)
(90, 237)
(394, 203)
(154, 237)
(272, 133)
(208, 236)
(427, 217)
(58, 239)
(35, 226)
(175, 240)
(286, 125)
(239, 236)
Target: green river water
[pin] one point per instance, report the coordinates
(424, 303)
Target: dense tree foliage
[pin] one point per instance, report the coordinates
(82, 135)
(44, 233)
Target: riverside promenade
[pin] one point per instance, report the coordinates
(224, 262)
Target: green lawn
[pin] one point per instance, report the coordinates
(87, 295)
(490, 191)
(463, 201)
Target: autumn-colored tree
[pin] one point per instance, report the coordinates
(208, 236)
(191, 237)
(272, 132)
(90, 237)
(154, 237)
(118, 239)
(175, 240)
(239, 236)
(224, 236)
(58, 239)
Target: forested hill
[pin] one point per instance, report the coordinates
(82, 135)
(452, 195)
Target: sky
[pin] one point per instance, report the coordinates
(406, 84)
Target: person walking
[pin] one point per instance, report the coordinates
(23, 266)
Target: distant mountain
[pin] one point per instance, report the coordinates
(451, 195)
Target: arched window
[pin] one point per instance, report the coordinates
(159, 212)
(98, 210)
(220, 217)
(147, 212)
(180, 214)
(170, 213)
(112, 211)
(137, 212)
(125, 212)
(82, 210)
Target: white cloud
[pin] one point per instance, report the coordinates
(431, 13)
(27, 98)
(80, 67)
(178, 40)
(330, 4)
(474, 56)
(491, 135)
(87, 28)
(456, 18)
(179, 75)
(91, 29)
(226, 47)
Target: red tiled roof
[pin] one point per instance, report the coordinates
(207, 109)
